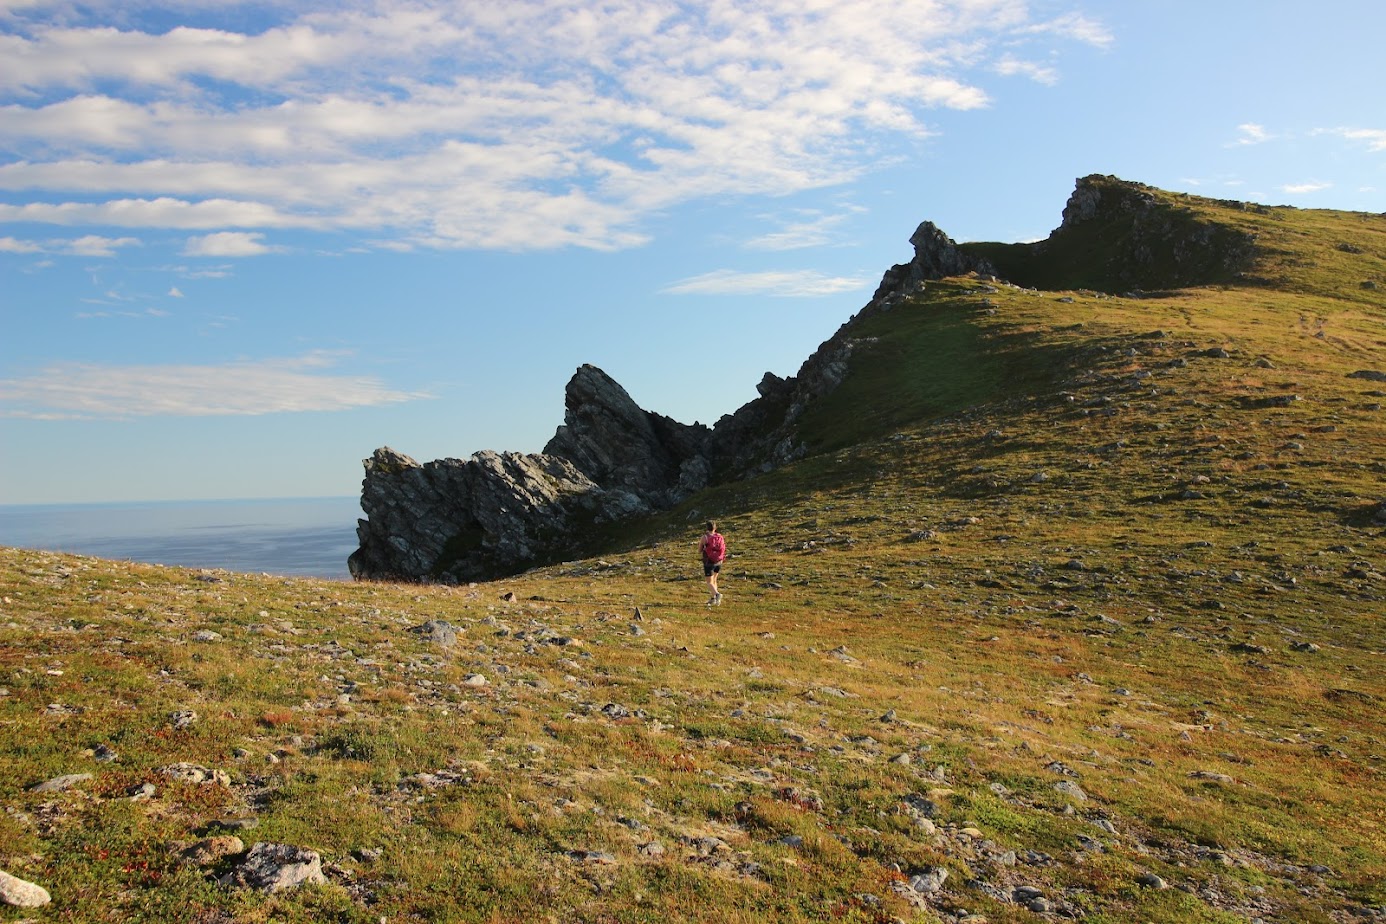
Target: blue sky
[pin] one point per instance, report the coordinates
(244, 244)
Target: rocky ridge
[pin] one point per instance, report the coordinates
(497, 514)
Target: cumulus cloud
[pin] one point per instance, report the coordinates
(90, 391)
(528, 124)
(227, 244)
(791, 284)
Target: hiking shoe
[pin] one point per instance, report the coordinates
(717, 599)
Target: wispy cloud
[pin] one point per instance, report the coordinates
(523, 125)
(813, 231)
(1014, 67)
(249, 387)
(1249, 133)
(1374, 137)
(1311, 186)
(227, 244)
(791, 284)
(90, 245)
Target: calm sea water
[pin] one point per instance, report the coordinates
(307, 537)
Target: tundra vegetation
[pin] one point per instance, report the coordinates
(1074, 611)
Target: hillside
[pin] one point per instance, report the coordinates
(1071, 610)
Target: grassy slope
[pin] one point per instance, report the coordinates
(1051, 544)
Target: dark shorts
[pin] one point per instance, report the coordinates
(711, 567)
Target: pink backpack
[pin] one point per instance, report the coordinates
(714, 547)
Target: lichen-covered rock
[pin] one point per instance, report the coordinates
(276, 868)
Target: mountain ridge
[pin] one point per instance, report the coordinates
(1116, 237)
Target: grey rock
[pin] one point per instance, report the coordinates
(276, 868)
(1071, 789)
(183, 719)
(184, 772)
(439, 632)
(61, 783)
(930, 880)
(19, 893)
(1151, 881)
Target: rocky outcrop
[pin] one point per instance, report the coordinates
(1125, 236)
(608, 438)
(454, 520)
(936, 256)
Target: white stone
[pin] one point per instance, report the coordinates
(15, 891)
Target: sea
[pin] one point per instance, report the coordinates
(303, 537)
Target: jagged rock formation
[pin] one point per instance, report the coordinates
(607, 436)
(500, 513)
(1117, 236)
(936, 256)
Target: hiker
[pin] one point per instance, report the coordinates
(713, 548)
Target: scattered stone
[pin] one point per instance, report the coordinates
(183, 719)
(61, 783)
(143, 792)
(18, 893)
(1369, 375)
(104, 754)
(439, 632)
(194, 773)
(1309, 647)
(205, 635)
(276, 868)
(1211, 776)
(791, 840)
(1071, 789)
(475, 680)
(1151, 881)
(929, 881)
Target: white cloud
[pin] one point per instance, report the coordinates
(813, 232)
(1312, 186)
(1077, 27)
(528, 124)
(1251, 133)
(90, 245)
(792, 284)
(248, 387)
(227, 244)
(94, 245)
(14, 245)
(1014, 67)
(175, 292)
(1375, 137)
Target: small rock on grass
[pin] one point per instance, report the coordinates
(61, 783)
(21, 894)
